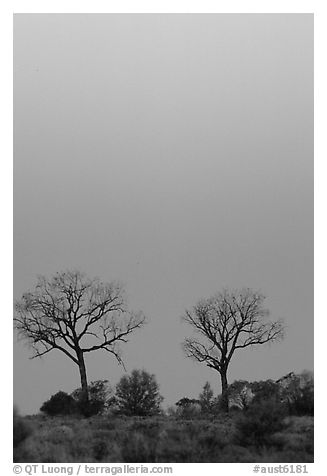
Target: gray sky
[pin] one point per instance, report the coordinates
(173, 153)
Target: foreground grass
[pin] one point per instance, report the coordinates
(158, 440)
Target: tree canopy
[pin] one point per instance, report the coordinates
(224, 323)
(75, 315)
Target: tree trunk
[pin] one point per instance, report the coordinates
(85, 390)
(224, 406)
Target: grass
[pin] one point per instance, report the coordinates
(159, 439)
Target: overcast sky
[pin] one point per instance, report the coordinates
(173, 153)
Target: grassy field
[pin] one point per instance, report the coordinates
(157, 439)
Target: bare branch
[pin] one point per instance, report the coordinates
(228, 321)
(201, 353)
(68, 309)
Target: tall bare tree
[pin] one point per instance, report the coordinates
(75, 315)
(224, 323)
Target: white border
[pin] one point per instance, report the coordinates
(168, 6)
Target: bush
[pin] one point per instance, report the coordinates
(240, 394)
(138, 394)
(188, 408)
(259, 422)
(138, 448)
(100, 398)
(99, 449)
(303, 404)
(60, 404)
(206, 399)
(301, 399)
(265, 390)
(298, 393)
(157, 439)
(21, 429)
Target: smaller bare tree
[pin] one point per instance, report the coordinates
(226, 322)
(75, 315)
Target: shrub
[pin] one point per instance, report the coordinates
(188, 408)
(301, 399)
(206, 399)
(265, 390)
(259, 422)
(155, 439)
(100, 398)
(61, 433)
(59, 404)
(302, 404)
(21, 429)
(138, 448)
(138, 394)
(240, 394)
(99, 449)
(216, 408)
(298, 393)
(148, 427)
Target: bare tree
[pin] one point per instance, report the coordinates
(75, 315)
(226, 322)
